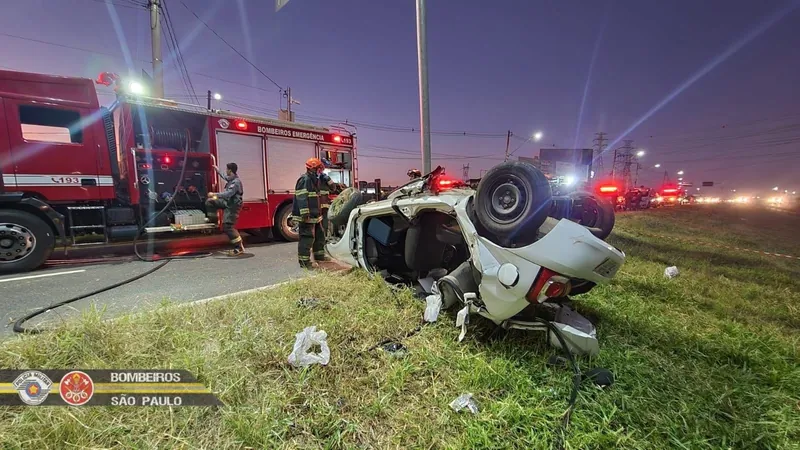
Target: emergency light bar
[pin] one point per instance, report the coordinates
(608, 189)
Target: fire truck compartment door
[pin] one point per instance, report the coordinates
(287, 162)
(247, 151)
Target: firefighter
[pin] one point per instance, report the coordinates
(231, 201)
(311, 203)
(413, 174)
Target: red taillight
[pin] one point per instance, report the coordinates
(608, 189)
(241, 124)
(548, 285)
(167, 160)
(443, 183)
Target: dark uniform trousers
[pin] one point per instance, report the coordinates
(309, 209)
(231, 208)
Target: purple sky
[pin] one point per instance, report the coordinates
(521, 65)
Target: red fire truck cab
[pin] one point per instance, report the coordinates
(75, 173)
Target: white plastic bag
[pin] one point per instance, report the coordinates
(304, 341)
(671, 272)
(433, 304)
(462, 319)
(464, 401)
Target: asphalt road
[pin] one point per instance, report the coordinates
(178, 281)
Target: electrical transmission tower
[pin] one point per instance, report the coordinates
(626, 158)
(599, 146)
(465, 172)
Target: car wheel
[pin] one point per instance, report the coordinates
(285, 225)
(593, 212)
(26, 241)
(512, 202)
(343, 205)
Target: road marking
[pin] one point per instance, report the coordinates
(30, 277)
(268, 287)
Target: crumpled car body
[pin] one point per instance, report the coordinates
(418, 234)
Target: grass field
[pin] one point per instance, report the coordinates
(707, 360)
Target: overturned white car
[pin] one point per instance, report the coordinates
(508, 251)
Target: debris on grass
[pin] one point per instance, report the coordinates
(309, 338)
(671, 272)
(464, 401)
(462, 319)
(395, 349)
(433, 303)
(308, 302)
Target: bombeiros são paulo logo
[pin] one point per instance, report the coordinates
(76, 388)
(33, 387)
(224, 123)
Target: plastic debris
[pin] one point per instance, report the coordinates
(309, 302)
(433, 306)
(305, 340)
(395, 349)
(464, 401)
(462, 319)
(671, 272)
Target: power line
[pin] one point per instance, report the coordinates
(181, 64)
(129, 4)
(230, 46)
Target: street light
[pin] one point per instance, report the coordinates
(217, 96)
(657, 166)
(640, 153)
(680, 179)
(680, 172)
(537, 136)
(775, 188)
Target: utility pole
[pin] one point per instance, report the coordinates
(155, 40)
(209, 100)
(508, 142)
(627, 162)
(465, 172)
(424, 103)
(600, 145)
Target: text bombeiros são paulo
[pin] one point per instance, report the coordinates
(145, 377)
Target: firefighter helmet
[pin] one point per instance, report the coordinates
(314, 164)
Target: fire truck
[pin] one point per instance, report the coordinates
(75, 173)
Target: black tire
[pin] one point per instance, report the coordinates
(284, 225)
(26, 241)
(512, 201)
(593, 212)
(344, 203)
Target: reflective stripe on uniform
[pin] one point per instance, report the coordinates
(305, 211)
(304, 258)
(312, 195)
(236, 240)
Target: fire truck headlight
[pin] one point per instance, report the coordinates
(569, 180)
(135, 88)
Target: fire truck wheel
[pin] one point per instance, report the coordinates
(593, 212)
(511, 203)
(285, 227)
(26, 241)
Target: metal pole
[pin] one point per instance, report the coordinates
(424, 104)
(614, 165)
(155, 41)
(209, 100)
(508, 142)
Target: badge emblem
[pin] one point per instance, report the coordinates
(76, 388)
(224, 123)
(33, 387)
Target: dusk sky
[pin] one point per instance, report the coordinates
(711, 87)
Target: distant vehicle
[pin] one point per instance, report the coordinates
(671, 195)
(508, 251)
